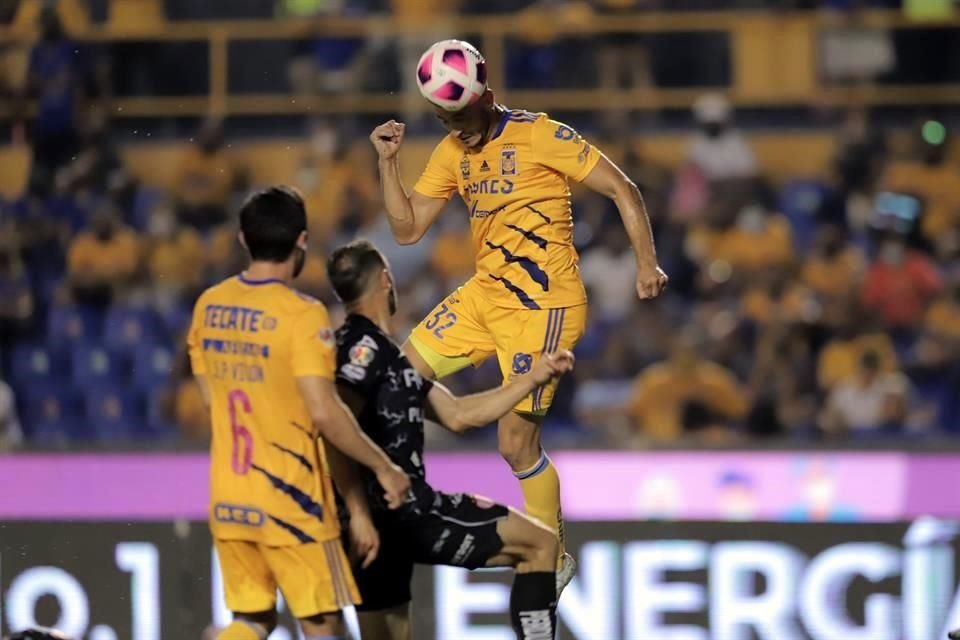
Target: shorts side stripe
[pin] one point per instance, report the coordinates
(464, 523)
(334, 574)
(551, 318)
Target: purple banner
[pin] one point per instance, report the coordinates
(836, 487)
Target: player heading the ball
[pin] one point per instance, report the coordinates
(512, 169)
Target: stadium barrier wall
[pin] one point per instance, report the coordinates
(636, 581)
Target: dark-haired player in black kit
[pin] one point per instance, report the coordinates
(390, 400)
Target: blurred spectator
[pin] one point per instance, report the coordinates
(684, 393)
(175, 262)
(609, 270)
(718, 149)
(833, 269)
(871, 401)
(55, 79)
(758, 242)
(929, 174)
(854, 52)
(434, 19)
(11, 435)
(900, 284)
(840, 358)
(102, 260)
(97, 165)
(451, 260)
(16, 295)
(207, 176)
(782, 381)
(225, 256)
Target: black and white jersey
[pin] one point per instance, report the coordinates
(372, 366)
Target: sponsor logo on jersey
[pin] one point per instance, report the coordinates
(325, 336)
(466, 547)
(564, 132)
(522, 363)
(238, 514)
(484, 166)
(361, 355)
(465, 167)
(536, 625)
(508, 162)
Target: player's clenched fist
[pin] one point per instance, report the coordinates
(552, 365)
(396, 485)
(651, 281)
(387, 139)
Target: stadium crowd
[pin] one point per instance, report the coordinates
(806, 309)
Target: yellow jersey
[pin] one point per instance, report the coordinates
(268, 479)
(518, 193)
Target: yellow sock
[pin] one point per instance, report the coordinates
(239, 631)
(541, 494)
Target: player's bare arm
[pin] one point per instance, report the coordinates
(409, 214)
(461, 413)
(333, 421)
(607, 179)
(364, 539)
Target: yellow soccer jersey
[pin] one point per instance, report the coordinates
(268, 479)
(517, 191)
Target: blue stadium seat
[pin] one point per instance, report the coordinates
(68, 325)
(115, 412)
(176, 321)
(39, 363)
(53, 411)
(144, 201)
(94, 364)
(152, 364)
(126, 327)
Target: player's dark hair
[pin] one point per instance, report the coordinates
(271, 221)
(350, 268)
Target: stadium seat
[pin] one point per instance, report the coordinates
(152, 364)
(94, 364)
(145, 199)
(70, 324)
(115, 412)
(39, 363)
(127, 327)
(53, 412)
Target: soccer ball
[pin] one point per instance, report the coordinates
(452, 74)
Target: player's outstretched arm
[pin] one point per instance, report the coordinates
(409, 214)
(607, 179)
(333, 422)
(460, 413)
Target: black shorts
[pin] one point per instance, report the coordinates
(460, 531)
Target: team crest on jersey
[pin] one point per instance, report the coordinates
(508, 162)
(361, 355)
(465, 167)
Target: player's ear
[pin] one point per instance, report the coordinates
(302, 240)
(242, 240)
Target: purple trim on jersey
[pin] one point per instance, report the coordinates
(503, 123)
(255, 283)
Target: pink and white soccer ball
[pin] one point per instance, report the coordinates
(452, 74)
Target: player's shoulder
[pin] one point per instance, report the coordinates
(357, 329)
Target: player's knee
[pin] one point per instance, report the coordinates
(518, 443)
(262, 623)
(543, 550)
(324, 624)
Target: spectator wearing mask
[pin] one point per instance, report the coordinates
(868, 403)
(841, 356)
(900, 284)
(718, 149)
(176, 258)
(102, 260)
(206, 180)
(757, 243)
(685, 388)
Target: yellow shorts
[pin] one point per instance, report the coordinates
(314, 578)
(465, 330)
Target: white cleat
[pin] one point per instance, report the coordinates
(568, 567)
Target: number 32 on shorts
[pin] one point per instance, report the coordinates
(442, 320)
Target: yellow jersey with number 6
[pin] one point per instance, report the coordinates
(518, 193)
(252, 339)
